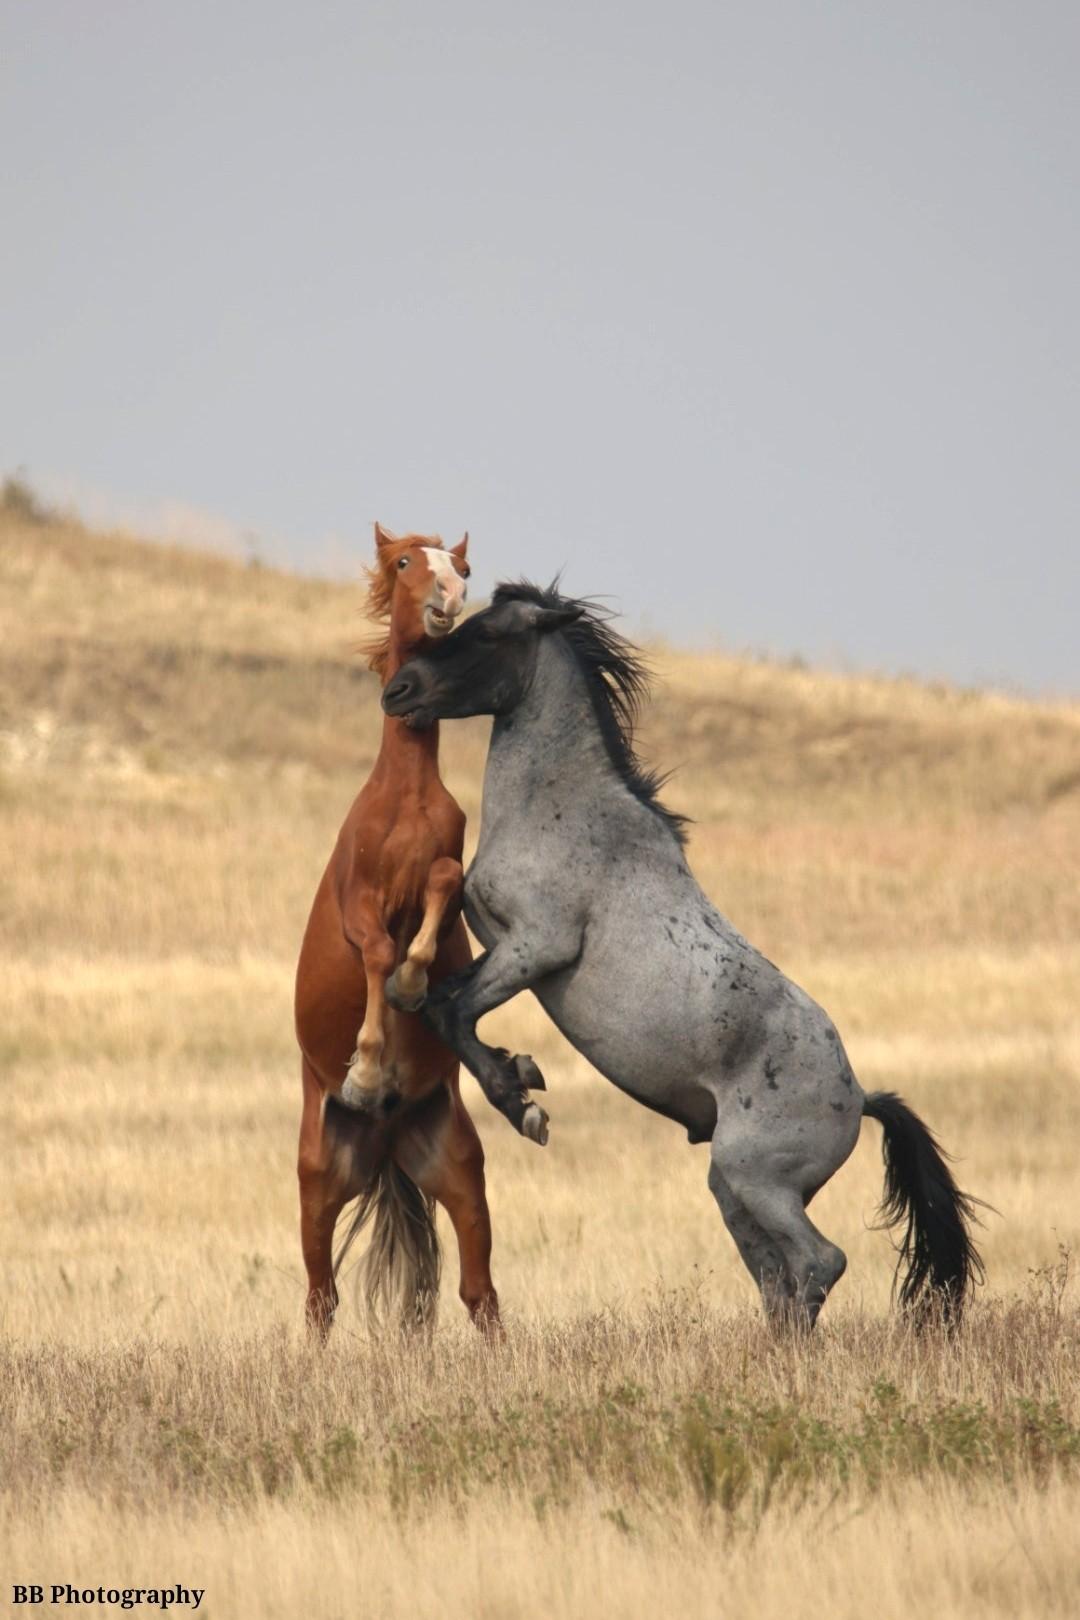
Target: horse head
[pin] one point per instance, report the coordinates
(416, 586)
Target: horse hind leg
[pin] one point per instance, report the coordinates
(762, 1257)
(770, 1214)
(325, 1188)
(407, 987)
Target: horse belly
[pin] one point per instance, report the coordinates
(331, 990)
(641, 1032)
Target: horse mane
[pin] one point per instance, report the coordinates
(618, 680)
(375, 647)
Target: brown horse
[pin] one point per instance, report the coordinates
(383, 1120)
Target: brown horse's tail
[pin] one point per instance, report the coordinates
(402, 1263)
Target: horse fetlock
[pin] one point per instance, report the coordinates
(482, 1305)
(359, 1097)
(363, 1088)
(319, 1311)
(365, 1065)
(511, 1076)
(440, 1015)
(798, 1317)
(528, 1073)
(377, 1102)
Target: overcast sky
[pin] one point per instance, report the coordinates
(760, 318)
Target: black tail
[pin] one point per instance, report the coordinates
(938, 1258)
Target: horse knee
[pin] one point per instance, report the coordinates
(445, 876)
(380, 956)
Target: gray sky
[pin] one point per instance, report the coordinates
(761, 319)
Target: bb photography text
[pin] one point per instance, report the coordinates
(117, 1597)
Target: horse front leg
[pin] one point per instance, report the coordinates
(456, 1005)
(363, 1086)
(408, 984)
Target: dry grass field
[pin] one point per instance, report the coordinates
(180, 736)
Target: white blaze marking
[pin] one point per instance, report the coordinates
(451, 598)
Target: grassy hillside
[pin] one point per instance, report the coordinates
(180, 736)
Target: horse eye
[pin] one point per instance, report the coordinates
(465, 570)
(403, 562)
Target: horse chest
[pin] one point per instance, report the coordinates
(406, 859)
(389, 855)
(487, 898)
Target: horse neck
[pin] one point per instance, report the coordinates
(553, 732)
(410, 759)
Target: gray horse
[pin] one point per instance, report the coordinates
(580, 892)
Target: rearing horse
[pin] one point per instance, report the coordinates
(581, 892)
(383, 1120)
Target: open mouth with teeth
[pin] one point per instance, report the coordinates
(436, 622)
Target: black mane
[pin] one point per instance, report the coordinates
(617, 678)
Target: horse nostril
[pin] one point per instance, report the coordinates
(398, 689)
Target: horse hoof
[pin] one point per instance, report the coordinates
(398, 998)
(534, 1125)
(528, 1073)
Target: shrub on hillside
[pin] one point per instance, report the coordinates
(19, 500)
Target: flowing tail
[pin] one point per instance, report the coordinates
(938, 1257)
(401, 1267)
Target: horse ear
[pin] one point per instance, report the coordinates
(545, 619)
(462, 547)
(383, 537)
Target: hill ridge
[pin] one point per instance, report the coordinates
(176, 656)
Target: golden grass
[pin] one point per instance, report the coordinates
(179, 738)
(941, 1549)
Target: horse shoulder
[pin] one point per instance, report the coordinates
(448, 820)
(501, 877)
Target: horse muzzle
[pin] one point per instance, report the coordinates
(438, 622)
(403, 699)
